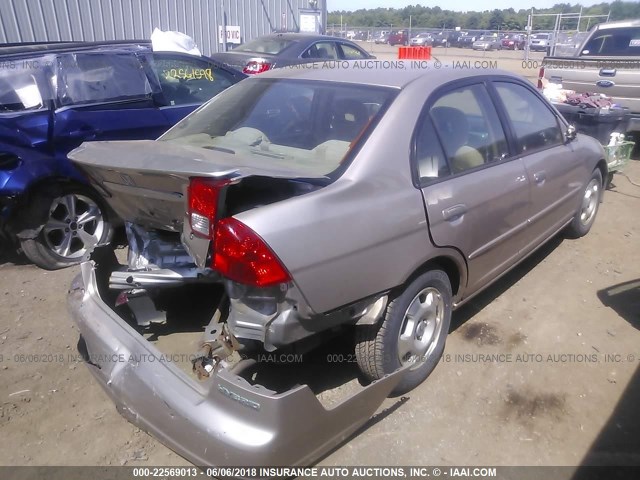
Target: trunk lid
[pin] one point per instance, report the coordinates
(145, 181)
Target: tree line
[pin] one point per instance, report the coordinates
(509, 19)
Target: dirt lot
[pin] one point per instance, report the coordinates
(562, 386)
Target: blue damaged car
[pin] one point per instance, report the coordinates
(55, 96)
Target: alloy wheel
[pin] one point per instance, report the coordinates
(75, 225)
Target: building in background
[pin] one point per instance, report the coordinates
(204, 20)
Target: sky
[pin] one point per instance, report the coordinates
(455, 5)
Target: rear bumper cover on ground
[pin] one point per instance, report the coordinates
(224, 421)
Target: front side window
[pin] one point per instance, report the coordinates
(101, 77)
(534, 123)
(307, 126)
(187, 81)
(469, 128)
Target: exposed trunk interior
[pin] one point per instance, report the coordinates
(324, 364)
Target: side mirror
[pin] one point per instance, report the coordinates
(570, 133)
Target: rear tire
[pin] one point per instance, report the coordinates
(413, 329)
(76, 221)
(589, 204)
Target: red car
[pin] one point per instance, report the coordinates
(399, 37)
(513, 42)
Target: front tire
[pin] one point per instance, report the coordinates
(413, 330)
(586, 214)
(75, 223)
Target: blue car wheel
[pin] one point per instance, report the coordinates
(76, 222)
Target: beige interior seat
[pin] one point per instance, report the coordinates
(453, 128)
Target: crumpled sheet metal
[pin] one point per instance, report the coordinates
(148, 249)
(223, 422)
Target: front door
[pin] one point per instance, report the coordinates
(552, 166)
(187, 82)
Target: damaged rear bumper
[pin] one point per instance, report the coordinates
(224, 421)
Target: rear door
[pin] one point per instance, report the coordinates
(187, 82)
(105, 96)
(476, 196)
(553, 168)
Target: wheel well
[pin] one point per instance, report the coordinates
(447, 265)
(602, 166)
(47, 184)
(27, 216)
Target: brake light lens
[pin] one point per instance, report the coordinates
(241, 255)
(256, 66)
(540, 77)
(203, 195)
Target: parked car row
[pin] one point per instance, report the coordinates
(466, 39)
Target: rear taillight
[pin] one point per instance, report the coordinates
(241, 255)
(203, 195)
(540, 77)
(256, 66)
(239, 252)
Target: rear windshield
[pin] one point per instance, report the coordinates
(265, 45)
(619, 42)
(307, 126)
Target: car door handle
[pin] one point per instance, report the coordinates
(455, 212)
(540, 177)
(84, 131)
(607, 72)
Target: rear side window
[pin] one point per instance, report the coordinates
(189, 80)
(469, 128)
(620, 42)
(534, 124)
(24, 84)
(101, 77)
(326, 50)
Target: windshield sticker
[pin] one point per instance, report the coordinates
(635, 42)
